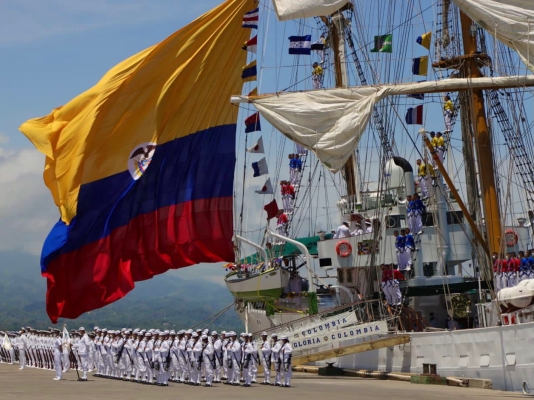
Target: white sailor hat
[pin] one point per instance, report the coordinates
(232, 333)
(128, 332)
(189, 331)
(95, 328)
(204, 337)
(104, 330)
(214, 333)
(367, 222)
(148, 334)
(205, 330)
(165, 332)
(172, 332)
(123, 329)
(274, 335)
(284, 337)
(223, 332)
(242, 334)
(264, 334)
(194, 334)
(81, 328)
(98, 330)
(181, 332)
(249, 335)
(136, 330)
(199, 330)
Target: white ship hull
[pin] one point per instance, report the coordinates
(503, 354)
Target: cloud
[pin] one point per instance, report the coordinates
(27, 211)
(29, 20)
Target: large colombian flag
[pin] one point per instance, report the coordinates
(141, 166)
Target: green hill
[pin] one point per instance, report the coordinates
(166, 301)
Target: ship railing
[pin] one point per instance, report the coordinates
(364, 311)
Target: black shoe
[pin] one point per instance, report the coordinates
(206, 385)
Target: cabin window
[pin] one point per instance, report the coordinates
(349, 275)
(428, 219)
(340, 275)
(325, 262)
(455, 217)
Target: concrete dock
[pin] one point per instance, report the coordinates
(38, 384)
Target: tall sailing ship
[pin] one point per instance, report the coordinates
(143, 169)
(386, 68)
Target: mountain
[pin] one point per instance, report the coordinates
(166, 301)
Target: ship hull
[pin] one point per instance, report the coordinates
(503, 354)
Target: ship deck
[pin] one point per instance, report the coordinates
(38, 384)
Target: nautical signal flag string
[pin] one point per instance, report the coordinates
(252, 123)
(420, 66)
(414, 115)
(300, 45)
(251, 44)
(271, 209)
(251, 19)
(425, 39)
(267, 188)
(383, 44)
(257, 147)
(249, 72)
(260, 168)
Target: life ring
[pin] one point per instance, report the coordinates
(343, 248)
(511, 237)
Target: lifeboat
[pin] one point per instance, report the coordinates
(515, 298)
(256, 283)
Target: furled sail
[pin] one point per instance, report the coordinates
(331, 122)
(141, 165)
(510, 21)
(295, 9)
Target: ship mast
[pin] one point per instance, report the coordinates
(337, 35)
(482, 140)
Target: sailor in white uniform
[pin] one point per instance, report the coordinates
(342, 231)
(285, 354)
(276, 346)
(217, 356)
(208, 359)
(83, 347)
(236, 354)
(58, 343)
(265, 355)
(22, 348)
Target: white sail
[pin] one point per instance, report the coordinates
(331, 122)
(295, 9)
(510, 21)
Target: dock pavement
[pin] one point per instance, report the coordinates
(37, 384)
